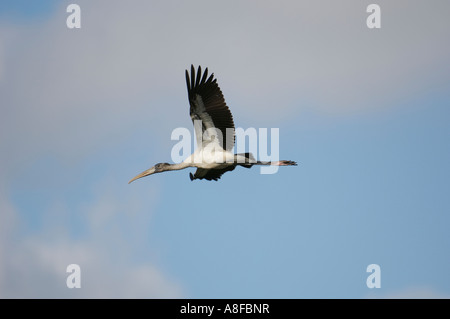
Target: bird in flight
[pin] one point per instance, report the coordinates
(215, 132)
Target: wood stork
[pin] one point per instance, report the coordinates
(215, 132)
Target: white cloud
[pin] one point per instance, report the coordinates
(34, 265)
(413, 292)
(37, 269)
(7, 223)
(67, 94)
(125, 67)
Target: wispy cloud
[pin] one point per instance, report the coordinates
(273, 59)
(71, 94)
(413, 292)
(34, 265)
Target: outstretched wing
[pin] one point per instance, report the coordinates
(210, 174)
(208, 105)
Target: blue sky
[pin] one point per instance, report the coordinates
(364, 112)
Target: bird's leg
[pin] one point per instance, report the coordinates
(284, 163)
(278, 163)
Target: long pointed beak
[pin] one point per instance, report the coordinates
(150, 171)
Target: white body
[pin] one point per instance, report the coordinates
(213, 156)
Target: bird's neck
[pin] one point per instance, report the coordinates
(176, 167)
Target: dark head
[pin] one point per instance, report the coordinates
(161, 167)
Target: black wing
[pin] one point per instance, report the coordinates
(210, 174)
(208, 105)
